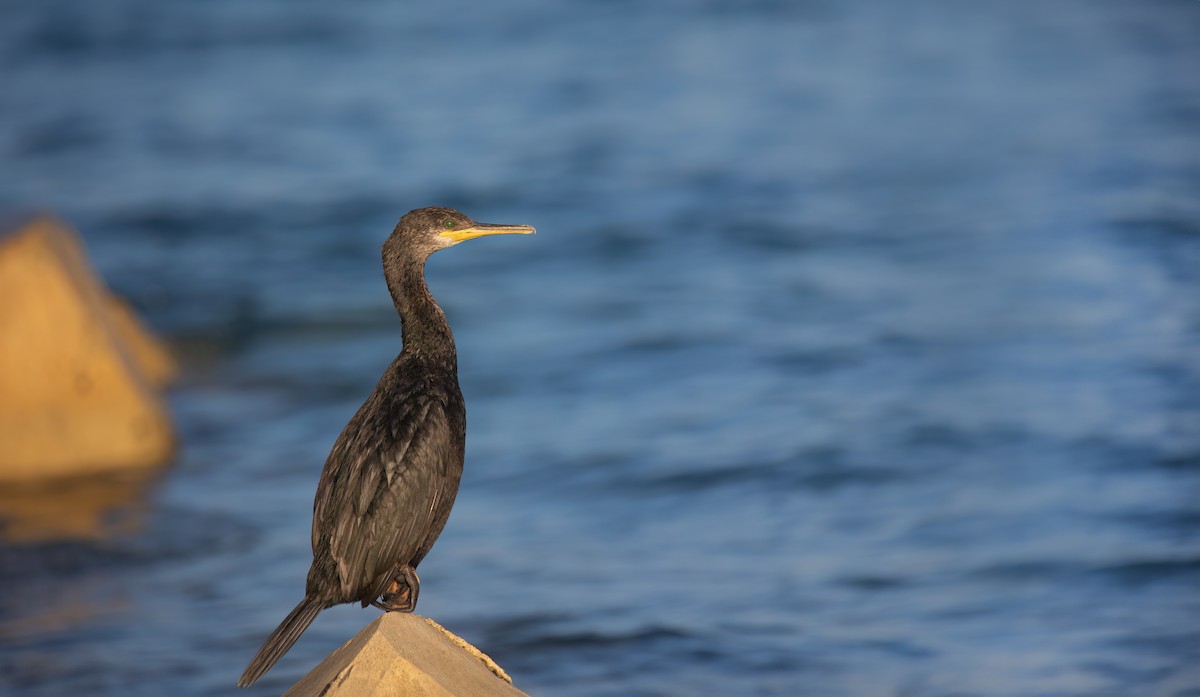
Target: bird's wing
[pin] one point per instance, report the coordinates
(385, 492)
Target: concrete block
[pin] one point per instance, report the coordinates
(401, 654)
(78, 373)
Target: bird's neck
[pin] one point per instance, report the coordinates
(426, 333)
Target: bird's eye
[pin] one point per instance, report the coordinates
(448, 224)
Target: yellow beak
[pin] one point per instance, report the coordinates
(481, 229)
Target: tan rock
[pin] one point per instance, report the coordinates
(147, 351)
(78, 373)
(400, 654)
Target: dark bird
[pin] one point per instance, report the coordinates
(392, 475)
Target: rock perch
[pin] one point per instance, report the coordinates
(404, 654)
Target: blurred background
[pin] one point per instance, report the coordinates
(858, 351)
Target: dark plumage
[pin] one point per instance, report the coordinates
(392, 475)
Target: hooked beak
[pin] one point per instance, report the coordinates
(481, 229)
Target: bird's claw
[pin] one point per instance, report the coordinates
(401, 593)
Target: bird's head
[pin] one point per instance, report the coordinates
(426, 230)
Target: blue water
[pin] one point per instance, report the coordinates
(858, 351)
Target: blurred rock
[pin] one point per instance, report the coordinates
(79, 375)
(401, 654)
(148, 352)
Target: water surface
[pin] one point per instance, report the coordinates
(856, 353)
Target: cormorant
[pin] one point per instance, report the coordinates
(389, 481)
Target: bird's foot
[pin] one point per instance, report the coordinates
(396, 602)
(401, 593)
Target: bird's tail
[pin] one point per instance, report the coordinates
(281, 639)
